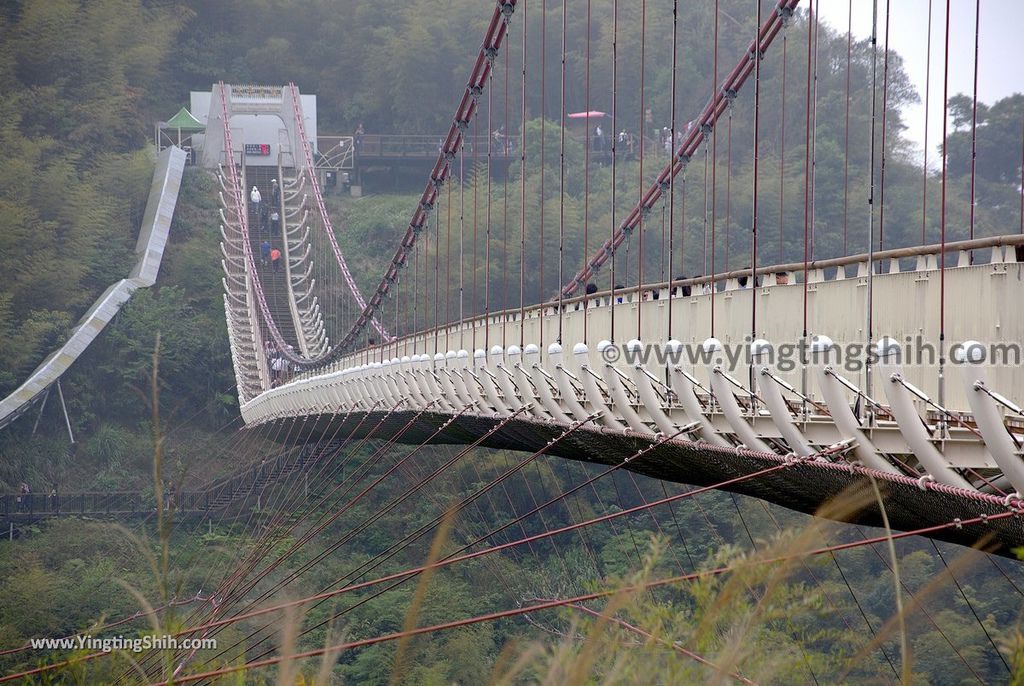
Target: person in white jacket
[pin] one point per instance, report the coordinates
(255, 198)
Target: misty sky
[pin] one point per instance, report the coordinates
(1000, 70)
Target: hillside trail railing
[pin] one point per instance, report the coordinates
(217, 495)
(342, 152)
(422, 146)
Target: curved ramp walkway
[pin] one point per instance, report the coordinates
(156, 223)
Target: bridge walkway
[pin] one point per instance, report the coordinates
(274, 281)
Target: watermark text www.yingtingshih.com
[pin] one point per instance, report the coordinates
(913, 351)
(132, 644)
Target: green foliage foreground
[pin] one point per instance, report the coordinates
(830, 619)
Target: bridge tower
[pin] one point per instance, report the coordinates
(262, 122)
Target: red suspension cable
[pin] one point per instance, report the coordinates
(710, 114)
(846, 130)
(927, 96)
(942, 237)
(885, 112)
(756, 168)
(672, 180)
(561, 173)
(782, 154)
(487, 218)
(504, 140)
(673, 645)
(448, 268)
(728, 195)
(615, 136)
(974, 111)
(542, 293)
(522, 195)
(476, 183)
(586, 166)
(807, 160)
(640, 172)
(714, 175)
(814, 128)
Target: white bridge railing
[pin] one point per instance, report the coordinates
(907, 408)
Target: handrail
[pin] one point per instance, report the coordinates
(400, 145)
(798, 267)
(790, 267)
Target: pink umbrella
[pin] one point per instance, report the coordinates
(593, 114)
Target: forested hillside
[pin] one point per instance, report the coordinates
(81, 101)
(83, 83)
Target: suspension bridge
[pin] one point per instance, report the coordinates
(798, 382)
(691, 370)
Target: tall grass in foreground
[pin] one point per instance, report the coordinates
(766, 620)
(761, 622)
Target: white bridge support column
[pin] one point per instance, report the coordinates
(390, 369)
(375, 380)
(685, 388)
(504, 377)
(487, 381)
(444, 383)
(988, 415)
(839, 408)
(524, 381)
(400, 370)
(355, 388)
(336, 391)
(912, 425)
(432, 385)
(623, 406)
(370, 394)
(590, 379)
(451, 370)
(411, 379)
(542, 383)
(469, 383)
(722, 387)
(564, 379)
(771, 393)
(648, 396)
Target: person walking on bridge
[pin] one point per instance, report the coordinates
(24, 496)
(255, 198)
(275, 259)
(358, 138)
(264, 252)
(275, 193)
